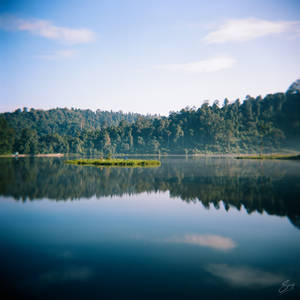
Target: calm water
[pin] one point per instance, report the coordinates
(190, 229)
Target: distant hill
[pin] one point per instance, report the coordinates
(255, 125)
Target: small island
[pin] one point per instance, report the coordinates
(271, 156)
(115, 162)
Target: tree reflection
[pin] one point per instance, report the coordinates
(263, 186)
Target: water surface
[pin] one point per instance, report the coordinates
(193, 228)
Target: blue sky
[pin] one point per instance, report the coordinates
(145, 56)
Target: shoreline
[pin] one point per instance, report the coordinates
(229, 155)
(271, 156)
(34, 155)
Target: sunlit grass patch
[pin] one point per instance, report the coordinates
(115, 162)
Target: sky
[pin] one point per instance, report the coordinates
(145, 56)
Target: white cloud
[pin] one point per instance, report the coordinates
(60, 54)
(216, 242)
(203, 66)
(48, 30)
(240, 30)
(244, 276)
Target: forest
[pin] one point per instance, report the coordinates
(254, 125)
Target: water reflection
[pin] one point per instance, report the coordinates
(244, 276)
(213, 241)
(65, 275)
(268, 186)
(146, 243)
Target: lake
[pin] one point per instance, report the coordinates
(193, 228)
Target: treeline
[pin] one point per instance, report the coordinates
(255, 125)
(55, 130)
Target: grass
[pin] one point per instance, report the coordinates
(271, 156)
(115, 162)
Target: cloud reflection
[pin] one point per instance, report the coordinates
(70, 274)
(244, 276)
(216, 242)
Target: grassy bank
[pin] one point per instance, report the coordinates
(115, 162)
(271, 156)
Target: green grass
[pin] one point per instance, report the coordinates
(115, 162)
(271, 156)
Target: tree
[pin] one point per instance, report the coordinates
(7, 137)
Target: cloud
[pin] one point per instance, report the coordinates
(216, 242)
(240, 30)
(244, 276)
(202, 66)
(48, 30)
(60, 54)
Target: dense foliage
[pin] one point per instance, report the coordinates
(255, 125)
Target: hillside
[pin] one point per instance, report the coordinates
(255, 125)
(65, 121)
